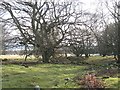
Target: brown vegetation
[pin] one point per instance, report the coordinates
(90, 81)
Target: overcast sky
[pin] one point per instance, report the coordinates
(92, 6)
(87, 4)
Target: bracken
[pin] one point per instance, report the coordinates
(90, 81)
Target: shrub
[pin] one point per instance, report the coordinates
(91, 81)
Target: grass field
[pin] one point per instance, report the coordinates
(54, 75)
(16, 57)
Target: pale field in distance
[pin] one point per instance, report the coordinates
(15, 57)
(18, 57)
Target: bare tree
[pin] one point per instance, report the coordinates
(113, 8)
(41, 24)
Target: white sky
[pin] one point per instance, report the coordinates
(87, 4)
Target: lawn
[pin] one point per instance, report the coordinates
(45, 75)
(55, 75)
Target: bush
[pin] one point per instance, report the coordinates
(91, 81)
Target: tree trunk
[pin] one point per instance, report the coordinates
(77, 55)
(45, 57)
(47, 54)
(118, 60)
(86, 56)
(118, 52)
(65, 54)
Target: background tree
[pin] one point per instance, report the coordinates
(80, 42)
(109, 41)
(113, 8)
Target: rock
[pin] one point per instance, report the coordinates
(26, 66)
(37, 87)
(105, 77)
(67, 79)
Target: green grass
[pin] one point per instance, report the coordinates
(112, 83)
(52, 75)
(45, 75)
(99, 59)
